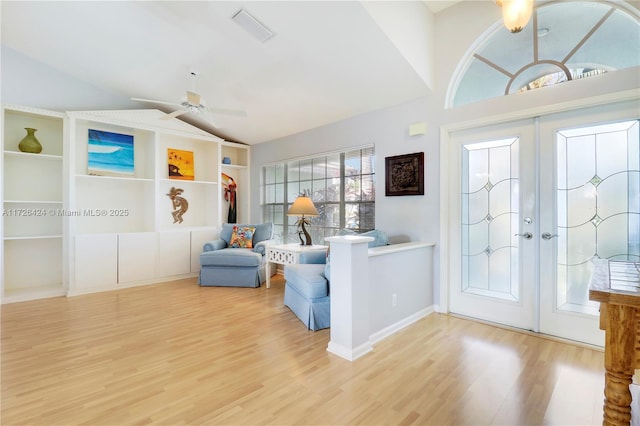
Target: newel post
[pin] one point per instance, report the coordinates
(349, 296)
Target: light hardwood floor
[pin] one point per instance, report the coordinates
(177, 354)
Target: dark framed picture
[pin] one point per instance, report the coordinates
(404, 174)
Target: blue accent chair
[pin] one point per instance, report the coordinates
(307, 284)
(306, 290)
(224, 266)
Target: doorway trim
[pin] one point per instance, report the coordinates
(443, 286)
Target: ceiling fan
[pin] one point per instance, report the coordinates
(193, 103)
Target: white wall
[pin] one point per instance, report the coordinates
(400, 286)
(35, 84)
(388, 131)
(409, 26)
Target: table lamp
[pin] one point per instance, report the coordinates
(303, 206)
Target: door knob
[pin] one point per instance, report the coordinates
(548, 236)
(526, 235)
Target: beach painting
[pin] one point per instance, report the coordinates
(180, 164)
(110, 154)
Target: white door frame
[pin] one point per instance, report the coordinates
(443, 285)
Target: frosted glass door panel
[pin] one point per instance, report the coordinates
(489, 203)
(598, 205)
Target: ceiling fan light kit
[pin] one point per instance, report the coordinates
(193, 104)
(193, 98)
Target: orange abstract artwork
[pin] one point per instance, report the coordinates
(180, 164)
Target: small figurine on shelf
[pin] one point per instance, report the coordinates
(180, 204)
(230, 188)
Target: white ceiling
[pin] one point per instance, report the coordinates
(327, 61)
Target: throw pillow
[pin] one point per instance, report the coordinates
(242, 237)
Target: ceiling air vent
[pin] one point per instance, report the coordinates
(252, 25)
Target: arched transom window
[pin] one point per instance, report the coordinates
(564, 41)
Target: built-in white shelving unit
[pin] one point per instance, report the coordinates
(33, 197)
(239, 171)
(94, 231)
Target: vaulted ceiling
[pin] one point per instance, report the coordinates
(325, 62)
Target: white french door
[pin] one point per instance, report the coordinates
(589, 207)
(492, 198)
(530, 203)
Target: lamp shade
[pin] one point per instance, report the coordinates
(516, 13)
(303, 206)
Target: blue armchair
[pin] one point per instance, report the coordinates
(224, 266)
(307, 284)
(306, 290)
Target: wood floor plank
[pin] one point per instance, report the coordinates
(180, 354)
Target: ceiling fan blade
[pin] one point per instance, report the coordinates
(193, 98)
(236, 112)
(174, 114)
(155, 101)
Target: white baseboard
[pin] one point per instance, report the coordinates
(357, 352)
(440, 309)
(394, 328)
(36, 294)
(121, 286)
(349, 354)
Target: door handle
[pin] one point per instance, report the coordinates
(526, 235)
(548, 236)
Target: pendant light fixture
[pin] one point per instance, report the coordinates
(515, 13)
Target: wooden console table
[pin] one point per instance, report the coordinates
(616, 286)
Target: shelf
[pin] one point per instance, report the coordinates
(33, 237)
(203, 205)
(189, 182)
(20, 275)
(233, 166)
(50, 131)
(204, 152)
(33, 201)
(33, 177)
(191, 228)
(114, 204)
(118, 178)
(31, 156)
(13, 295)
(28, 222)
(143, 150)
(236, 153)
